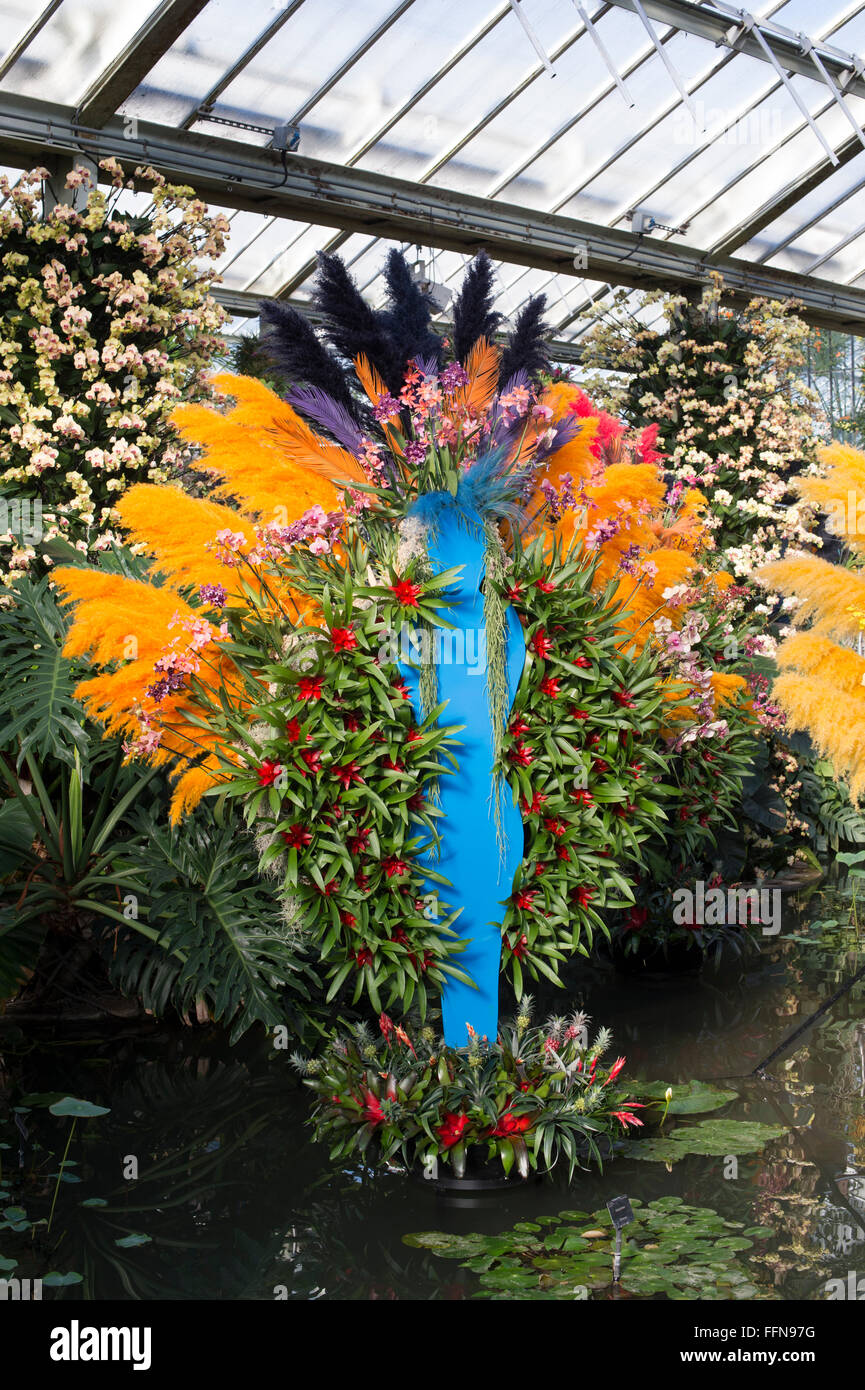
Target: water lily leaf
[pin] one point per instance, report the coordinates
(94, 1202)
(81, 1109)
(7, 1265)
(715, 1138)
(53, 1280)
(129, 1242)
(689, 1097)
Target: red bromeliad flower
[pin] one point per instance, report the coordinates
(514, 592)
(417, 801)
(386, 1025)
(582, 662)
(406, 593)
(636, 919)
(330, 888)
(343, 639)
(393, 765)
(401, 689)
(625, 1118)
(510, 1124)
(563, 853)
(312, 758)
(520, 947)
(298, 837)
(394, 867)
(292, 730)
(624, 699)
(348, 774)
(578, 713)
(615, 1069)
(403, 1037)
(550, 686)
(413, 736)
(348, 919)
(518, 727)
(524, 898)
(582, 895)
(350, 723)
(582, 797)
(555, 827)
(522, 754)
(358, 843)
(538, 799)
(452, 1128)
(545, 586)
(372, 1111)
(363, 957)
(541, 643)
(309, 688)
(400, 936)
(268, 773)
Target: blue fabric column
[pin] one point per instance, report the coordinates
(470, 855)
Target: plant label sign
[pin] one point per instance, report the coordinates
(620, 1212)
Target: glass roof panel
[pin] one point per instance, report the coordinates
(199, 59)
(80, 40)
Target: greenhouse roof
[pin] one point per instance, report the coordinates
(638, 143)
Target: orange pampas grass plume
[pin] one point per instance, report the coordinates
(834, 718)
(826, 592)
(810, 653)
(179, 530)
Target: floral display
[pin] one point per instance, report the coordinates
(107, 323)
(541, 1095)
(733, 416)
(271, 664)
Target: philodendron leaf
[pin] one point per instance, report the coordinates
(80, 1109)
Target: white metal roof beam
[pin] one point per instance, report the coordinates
(234, 174)
(722, 24)
(134, 62)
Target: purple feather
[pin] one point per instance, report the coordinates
(329, 414)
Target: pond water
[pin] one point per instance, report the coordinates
(232, 1200)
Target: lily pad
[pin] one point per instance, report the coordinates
(53, 1280)
(81, 1109)
(689, 1097)
(715, 1138)
(672, 1250)
(94, 1202)
(129, 1242)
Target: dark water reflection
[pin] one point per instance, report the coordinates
(238, 1204)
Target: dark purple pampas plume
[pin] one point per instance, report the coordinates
(473, 307)
(291, 344)
(525, 349)
(351, 325)
(408, 316)
(328, 414)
